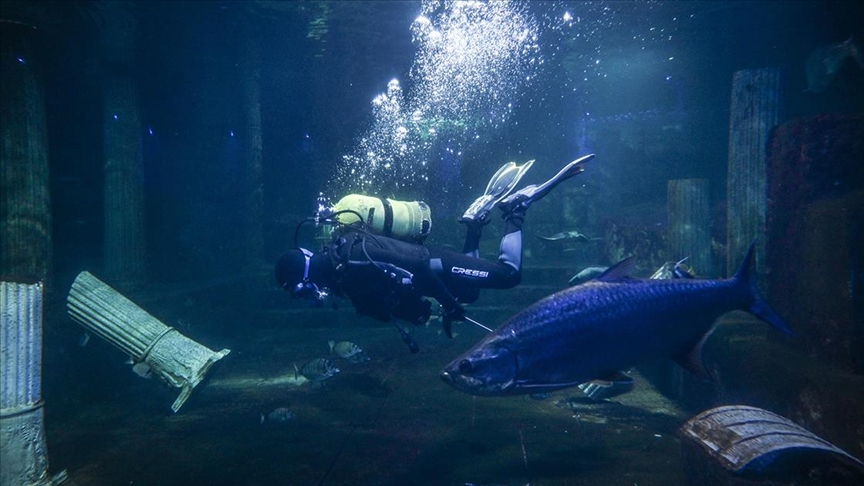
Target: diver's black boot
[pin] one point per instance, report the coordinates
(510, 250)
(472, 238)
(529, 194)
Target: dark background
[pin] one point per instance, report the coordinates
(648, 118)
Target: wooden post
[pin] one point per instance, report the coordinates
(689, 206)
(754, 112)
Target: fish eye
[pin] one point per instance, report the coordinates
(466, 366)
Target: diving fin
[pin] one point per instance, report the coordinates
(500, 186)
(527, 195)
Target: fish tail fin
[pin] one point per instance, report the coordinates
(853, 47)
(331, 344)
(857, 54)
(746, 277)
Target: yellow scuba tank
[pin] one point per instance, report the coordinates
(404, 220)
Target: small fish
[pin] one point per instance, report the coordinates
(824, 63)
(614, 322)
(84, 339)
(615, 384)
(277, 415)
(143, 370)
(587, 274)
(317, 370)
(673, 270)
(565, 236)
(348, 351)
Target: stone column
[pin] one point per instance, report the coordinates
(689, 205)
(125, 255)
(23, 449)
(25, 201)
(176, 359)
(253, 185)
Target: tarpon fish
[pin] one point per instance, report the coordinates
(595, 330)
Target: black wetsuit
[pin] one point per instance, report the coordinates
(385, 277)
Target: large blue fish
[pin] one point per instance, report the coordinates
(594, 330)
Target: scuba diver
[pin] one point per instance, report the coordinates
(386, 277)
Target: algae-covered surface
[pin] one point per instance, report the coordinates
(390, 420)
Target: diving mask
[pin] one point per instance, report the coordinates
(307, 289)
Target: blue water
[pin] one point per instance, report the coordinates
(243, 113)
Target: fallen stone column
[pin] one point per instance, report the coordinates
(178, 360)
